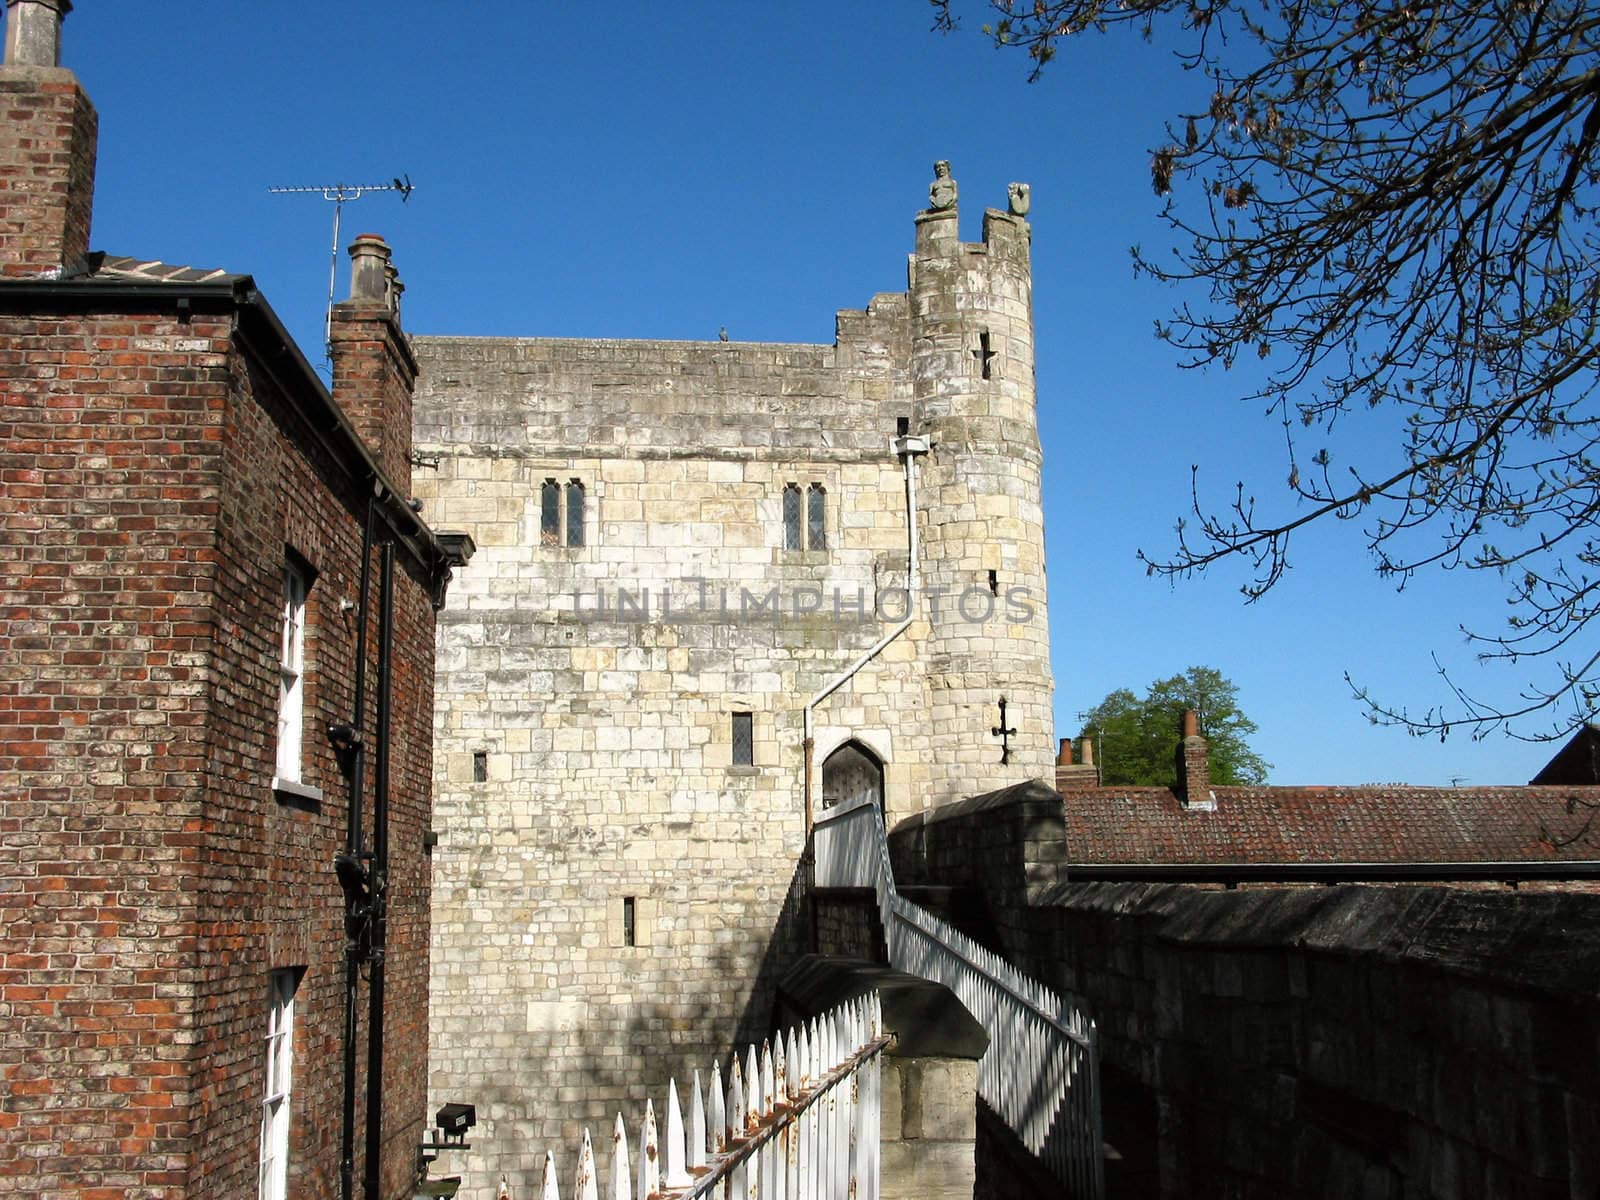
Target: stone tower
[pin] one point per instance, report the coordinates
(685, 633)
(983, 571)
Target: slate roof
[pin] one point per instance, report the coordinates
(1370, 824)
(119, 268)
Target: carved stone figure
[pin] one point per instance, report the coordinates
(1021, 197)
(942, 192)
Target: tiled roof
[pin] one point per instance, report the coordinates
(1372, 824)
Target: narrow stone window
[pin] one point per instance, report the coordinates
(574, 512)
(791, 517)
(816, 513)
(994, 583)
(550, 513)
(743, 740)
(630, 936)
(984, 354)
(902, 426)
(480, 766)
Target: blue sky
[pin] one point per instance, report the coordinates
(666, 169)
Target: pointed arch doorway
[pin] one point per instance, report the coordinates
(850, 772)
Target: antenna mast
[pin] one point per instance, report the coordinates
(339, 193)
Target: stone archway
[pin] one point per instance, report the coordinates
(851, 771)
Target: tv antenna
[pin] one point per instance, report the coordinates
(339, 194)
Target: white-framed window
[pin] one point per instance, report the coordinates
(272, 1179)
(291, 674)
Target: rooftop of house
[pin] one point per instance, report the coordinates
(1465, 830)
(1387, 823)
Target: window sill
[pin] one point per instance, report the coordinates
(744, 770)
(292, 794)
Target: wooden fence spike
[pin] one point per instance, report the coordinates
(649, 1155)
(752, 1098)
(621, 1177)
(697, 1126)
(719, 1113)
(588, 1185)
(675, 1174)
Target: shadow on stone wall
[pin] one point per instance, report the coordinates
(611, 1057)
(791, 937)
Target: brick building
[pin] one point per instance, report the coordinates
(216, 624)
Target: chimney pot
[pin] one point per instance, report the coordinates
(1191, 723)
(33, 32)
(369, 270)
(1087, 757)
(391, 275)
(1064, 754)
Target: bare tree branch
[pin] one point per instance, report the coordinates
(1399, 203)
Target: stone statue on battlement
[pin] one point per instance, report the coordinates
(942, 192)
(1020, 196)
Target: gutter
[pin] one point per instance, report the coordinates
(907, 448)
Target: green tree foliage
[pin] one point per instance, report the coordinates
(1136, 738)
(1399, 203)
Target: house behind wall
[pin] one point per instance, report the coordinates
(680, 545)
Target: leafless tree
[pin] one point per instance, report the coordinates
(1397, 202)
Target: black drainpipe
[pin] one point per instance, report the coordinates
(379, 878)
(355, 913)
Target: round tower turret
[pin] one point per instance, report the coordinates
(983, 570)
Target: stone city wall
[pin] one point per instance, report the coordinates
(1310, 1041)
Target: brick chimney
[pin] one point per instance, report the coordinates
(48, 132)
(374, 371)
(1194, 768)
(1070, 774)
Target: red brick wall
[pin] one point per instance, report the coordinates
(108, 501)
(146, 499)
(48, 132)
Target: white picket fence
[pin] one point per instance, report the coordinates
(799, 1121)
(1041, 1072)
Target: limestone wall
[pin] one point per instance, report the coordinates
(588, 791)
